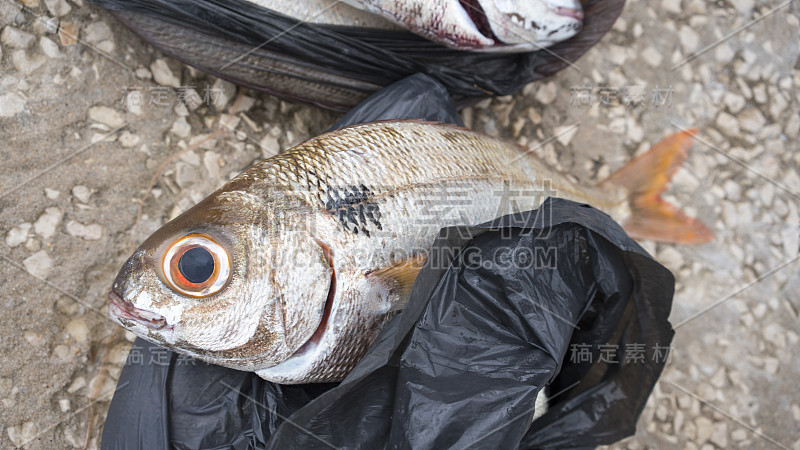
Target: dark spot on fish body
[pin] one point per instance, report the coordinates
(353, 208)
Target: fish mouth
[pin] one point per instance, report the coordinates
(120, 309)
(576, 14)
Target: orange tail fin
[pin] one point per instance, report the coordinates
(645, 178)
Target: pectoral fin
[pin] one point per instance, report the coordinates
(400, 277)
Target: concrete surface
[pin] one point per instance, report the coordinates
(85, 125)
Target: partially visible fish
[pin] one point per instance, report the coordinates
(292, 268)
(484, 25)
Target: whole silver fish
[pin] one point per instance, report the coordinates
(292, 268)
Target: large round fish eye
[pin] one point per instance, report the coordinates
(196, 266)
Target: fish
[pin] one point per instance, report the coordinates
(509, 26)
(291, 269)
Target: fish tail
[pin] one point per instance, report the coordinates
(644, 179)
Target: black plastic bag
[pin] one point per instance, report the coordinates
(337, 67)
(498, 312)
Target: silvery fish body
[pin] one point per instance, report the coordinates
(484, 25)
(480, 25)
(314, 249)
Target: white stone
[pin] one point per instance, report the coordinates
(163, 74)
(18, 234)
(734, 102)
(565, 134)
(269, 146)
(185, 175)
(78, 383)
(27, 64)
(673, 6)
(78, 329)
(45, 225)
(96, 32)
(705, 428)
(82, 193)
(727, 124)
(181, 128)
(751, 120)
(91, 232)
(49, 48)
(689, 39)
(128, 140)
(546, 93)
(106, 115)
(58, 8)
(720, 434)
(64, 404)
(11, 104)
(652, 57)
(211, 161)
(744, 7)
(19, 435)
(143, 73)
(791, 240)
(52, 194)
(38, 264)
(221, 93)
(792, 128)
(16, 38)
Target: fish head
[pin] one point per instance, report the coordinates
(533, 24)
(234, 281)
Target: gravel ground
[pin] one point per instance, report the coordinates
(90, 114)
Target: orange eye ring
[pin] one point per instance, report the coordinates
(202, 281)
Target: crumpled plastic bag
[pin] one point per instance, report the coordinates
(559, 298)
(333, 66)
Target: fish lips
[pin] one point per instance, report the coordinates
(121, 310)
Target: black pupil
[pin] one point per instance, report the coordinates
(196, 265)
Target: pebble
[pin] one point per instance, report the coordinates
(775, 334)
(673, 6)
(49, 48)
(128, 140)
(38, 264)
(19, 435)
(107, 116)
(58, 8)
(269, 146)
(671, 258)
(181, 128)
(64, 405)
(211, 161)
(11, 104)
(82, 193)
(143, 73)
(185, 175)
(652, 57)
(96, 32)
(62, 352)
(163, 74)
(734, 102)
(792, 128)
(91, 232)
(222, 92)
(751, 120)
(727, 124)
(546, 93)
(739, 434)
(16, 38)
(77, 384)
(689, 39)
(566, 133)
(27, 64)
(45, 225)
(18, 234)
(705, 428)
(78, 329)
(33, 337)
(8, 11)
(791, 240)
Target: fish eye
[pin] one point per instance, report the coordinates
(196, 266)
